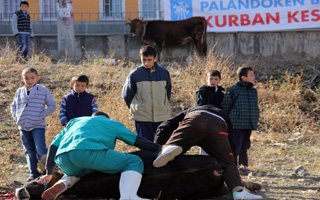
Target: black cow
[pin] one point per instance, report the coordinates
(188, 177)
(161, 33)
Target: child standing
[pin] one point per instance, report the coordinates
(31, 105)
(78, 103)
(212, 93)
(241, 103)
(21, 28)
(147, 92)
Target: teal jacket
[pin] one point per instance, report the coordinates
(241, 103)
(92, 133)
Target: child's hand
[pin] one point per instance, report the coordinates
(44, 179)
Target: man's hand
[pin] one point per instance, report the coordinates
(44, 179)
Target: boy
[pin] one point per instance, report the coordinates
(78, 102)
(87, 143)
(29, 112)
(212, 93)
(147, 92)
(21, 28)
(241, 103)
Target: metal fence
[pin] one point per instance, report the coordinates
(45, 24)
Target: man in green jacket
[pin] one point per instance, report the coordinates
(87, 143)
(241, 103)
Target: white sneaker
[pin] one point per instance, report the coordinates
(167, 154)
(245, 194)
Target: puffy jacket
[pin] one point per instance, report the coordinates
(207, 95)
(241, 103)
(147, 94)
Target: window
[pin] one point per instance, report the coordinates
(149, 9)
(48, 9)
(112, 9)
(8, 8)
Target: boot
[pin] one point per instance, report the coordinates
(245, 194)
(167, 154)
(59, 187)
(129, 184)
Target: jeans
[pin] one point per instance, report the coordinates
(24, 44)
(147, 130)
(35, 147)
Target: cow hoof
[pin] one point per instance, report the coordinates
(22, 193)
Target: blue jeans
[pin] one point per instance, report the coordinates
(35, 147)
(24, 44)
(147, 130)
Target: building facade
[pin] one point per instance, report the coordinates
(85, 10)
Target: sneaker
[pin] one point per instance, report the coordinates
(245, 194)
(167, 154)
(53, 192)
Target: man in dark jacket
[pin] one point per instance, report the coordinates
(241, 103)
(207, 127)
(21, 28)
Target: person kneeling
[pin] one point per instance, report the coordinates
(207, 127)
(87, 143)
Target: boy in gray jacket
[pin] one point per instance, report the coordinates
(147, 92)
(31, 105)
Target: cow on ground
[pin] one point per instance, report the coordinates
(187, 177)
(160, 33)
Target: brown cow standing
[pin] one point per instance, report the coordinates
(161, 33)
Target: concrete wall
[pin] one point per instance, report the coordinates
(270, 47)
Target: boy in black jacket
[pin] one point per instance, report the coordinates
(78, 103)
(212, 93)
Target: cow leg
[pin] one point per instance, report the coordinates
(159, 50)
(201, 46)
(199, 37)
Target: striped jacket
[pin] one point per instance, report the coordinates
(241, 103)
(147, 94)
(30, 111)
